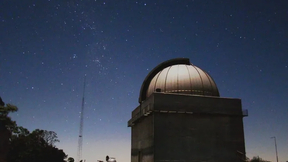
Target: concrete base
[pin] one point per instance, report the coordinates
(187, 128)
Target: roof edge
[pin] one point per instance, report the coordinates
(156, 70)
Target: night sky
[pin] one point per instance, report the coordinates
(47, 46)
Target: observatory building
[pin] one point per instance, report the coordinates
(182, 118)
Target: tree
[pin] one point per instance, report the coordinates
(49, 137)
(6, 125)
(17, 144)
(4, 111)
(34, 147)
(258, 159)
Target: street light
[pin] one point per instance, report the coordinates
(275, 147)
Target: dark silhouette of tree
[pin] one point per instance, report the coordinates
(49, 137)
(35, 146)
(4, 111)
(6, 126)
(1, 102)
(258, 159)
(17, 144)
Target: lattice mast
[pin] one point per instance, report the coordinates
(80, 137)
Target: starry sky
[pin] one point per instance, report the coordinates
(47, 46)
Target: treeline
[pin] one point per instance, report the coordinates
(17, 144)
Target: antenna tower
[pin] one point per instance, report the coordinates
(80, 137)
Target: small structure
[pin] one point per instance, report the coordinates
(112, 159)
(108, 159)
(182, 118)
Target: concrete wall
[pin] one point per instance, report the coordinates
(188, 137)
(201, 129)
(185, 128)
(142, 149)
(196, 104)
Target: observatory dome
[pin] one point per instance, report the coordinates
(178, 76)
